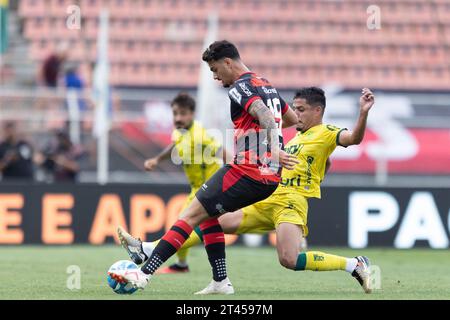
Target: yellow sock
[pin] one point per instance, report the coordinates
(155, 243)
(193, 240)
(320, 261)
(190, 242)
(182, 254)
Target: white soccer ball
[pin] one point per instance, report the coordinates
(122, 288)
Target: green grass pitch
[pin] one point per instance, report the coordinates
(38, 272)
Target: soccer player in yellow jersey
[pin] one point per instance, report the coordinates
(197, 151)
(285, 211)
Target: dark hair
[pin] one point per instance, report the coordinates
(184, 100)
(62, 134)
(219, 50)
(314, 96)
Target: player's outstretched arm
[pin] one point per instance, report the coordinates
(366, 102)
(152, 163)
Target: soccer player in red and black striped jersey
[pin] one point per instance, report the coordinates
(258, 113)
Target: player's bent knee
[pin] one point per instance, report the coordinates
(194, 214)
(194, 219)
(288, 260)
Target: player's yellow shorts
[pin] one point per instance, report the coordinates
(266, 215)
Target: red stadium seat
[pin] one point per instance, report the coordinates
(58, 8)
(33, 28)
(37, 51)
(90, 28)
(32, 8)
(91, 8)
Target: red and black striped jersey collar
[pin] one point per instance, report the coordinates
(246, 73)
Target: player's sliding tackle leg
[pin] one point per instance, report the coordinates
(172, 241)
(288, 247)
(288, 242)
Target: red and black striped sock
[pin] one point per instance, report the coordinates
(167, 246)
(214, 241)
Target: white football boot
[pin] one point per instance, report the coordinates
(362, 273)
(136, 249)
(218, 287)
(136, 277)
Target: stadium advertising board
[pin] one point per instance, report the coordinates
(355, 217)
(395, 217)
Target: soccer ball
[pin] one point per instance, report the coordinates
(122, 288)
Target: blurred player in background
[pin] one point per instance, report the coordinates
(286, 210)
(257, 112)
(197, 151)
(60, 159)
(16, 155)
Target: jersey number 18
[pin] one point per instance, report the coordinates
(275, 107)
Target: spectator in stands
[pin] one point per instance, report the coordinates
(60, 159)
(16, 156)
(52, 66)
(73, 80)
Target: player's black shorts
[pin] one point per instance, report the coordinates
(228, 190)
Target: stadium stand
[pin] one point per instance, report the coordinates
(159, 43)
